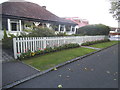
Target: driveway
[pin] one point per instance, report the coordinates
(99, 70)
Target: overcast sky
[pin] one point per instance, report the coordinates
(95, 11)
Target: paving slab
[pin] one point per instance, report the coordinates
(91, 47)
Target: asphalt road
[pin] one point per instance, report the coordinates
(96, 71)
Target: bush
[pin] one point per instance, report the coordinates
(27, 54)
(94, 42)
(61, 34)
(41, 32)
(5, 34)
(48, 50)
(66, 46)
(97, 29)
(39, 52)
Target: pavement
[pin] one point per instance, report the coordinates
(14, 71)
(7, 57)
(99, 70)
(0, 65)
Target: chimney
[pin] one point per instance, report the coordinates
(44, 7)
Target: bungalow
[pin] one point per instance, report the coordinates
(18, 16)
(79, 21)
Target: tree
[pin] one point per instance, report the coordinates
(115, 9)
(96, 29)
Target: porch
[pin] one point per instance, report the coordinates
(16, 26)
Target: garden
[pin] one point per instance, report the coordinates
(52, 58)
(48, 57)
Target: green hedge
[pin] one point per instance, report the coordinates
(96, 29)
(94, 42)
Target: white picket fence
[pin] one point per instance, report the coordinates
(21, 45)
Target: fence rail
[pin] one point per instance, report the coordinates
(20, 45)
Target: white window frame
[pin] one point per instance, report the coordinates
(19, 25)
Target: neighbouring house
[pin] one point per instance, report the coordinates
(114, 33)
(18, 16)
(80, 22)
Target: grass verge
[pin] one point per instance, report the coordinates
(104, 45)
(50, 60)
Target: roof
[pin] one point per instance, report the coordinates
(30, 10)
(78, 21)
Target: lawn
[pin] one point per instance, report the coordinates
(47, 61)
(104, 45)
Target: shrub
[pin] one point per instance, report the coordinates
(48, 50)
(12, 35)
(5, 34)
(41, 32)
(39, 52)
(97, 29)
(61, 34)
(58, 48)
(66, 46)
(94, 42)
(29, 54)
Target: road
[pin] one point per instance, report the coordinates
(99, 70)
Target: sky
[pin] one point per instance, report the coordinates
(95, 11)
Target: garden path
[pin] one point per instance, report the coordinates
(91, 47)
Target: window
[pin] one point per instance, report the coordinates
(14, 25)
(73, 29)
(54, 27)
(62, 28)
(68, 28)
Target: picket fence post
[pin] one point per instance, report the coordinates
(44, 42)
(14, 48)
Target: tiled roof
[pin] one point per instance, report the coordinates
(30, 10)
